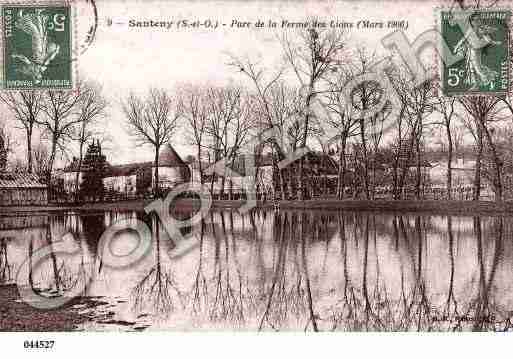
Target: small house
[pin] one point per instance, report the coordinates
(22, 189)
(19, 189)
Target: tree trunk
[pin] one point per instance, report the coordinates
(325, 177)
(212, 184)
(477, 173)
(79, 170)
(200, 166)
(221, 191)
(342, 177)
(365, 159)
(291, 171)
(395, 169)
(277, 175)
(395, 175)
(300, 190)
(342, 168)
(299, 179)
(449, 159)
(497, 180)
(51, 160)
(29, 149)
(373, 182)
(418, 174)
(405, 165)
(156, 191)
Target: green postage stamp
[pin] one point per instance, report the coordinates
(475, 52)
(37, 48)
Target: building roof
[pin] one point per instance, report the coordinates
(126, 170)
(388, 159)
(20, 180)
(169, 158)
(313, 159)
(72, 167)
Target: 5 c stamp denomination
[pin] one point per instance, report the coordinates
(37, 46)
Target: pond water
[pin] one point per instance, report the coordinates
(275, 270)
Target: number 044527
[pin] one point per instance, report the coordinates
(38, 344)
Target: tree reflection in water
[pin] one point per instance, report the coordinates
(155, 289)
(68, 272)
(483, 308)
(57, 273)
(301, 270)
(416, 309)
(199, 291)
(5, 267)
(299, 291)
(286, 295)
(227, 299)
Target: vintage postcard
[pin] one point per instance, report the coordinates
(256, 166)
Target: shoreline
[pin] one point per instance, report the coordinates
(428, 206)
(18, 316)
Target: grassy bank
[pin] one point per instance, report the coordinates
(16, 315)
(431, 206)
(136, 205)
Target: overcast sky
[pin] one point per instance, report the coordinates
(124, 59)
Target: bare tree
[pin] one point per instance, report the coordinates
(285, 105)
(377, 125)
(26, 106)
(41, 159)
(6, 146)
(263, 108)
(483, 110)
(60, 121)
(445, 107)
(194, 110)
(346, 125)
(152, 120)
(229, 124)
(364, 97)
(419, 103)
(313, 55)
(8, 141)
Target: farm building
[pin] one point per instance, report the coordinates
(140, 177)
(319, 169)
(19, 189)
(131, 178)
